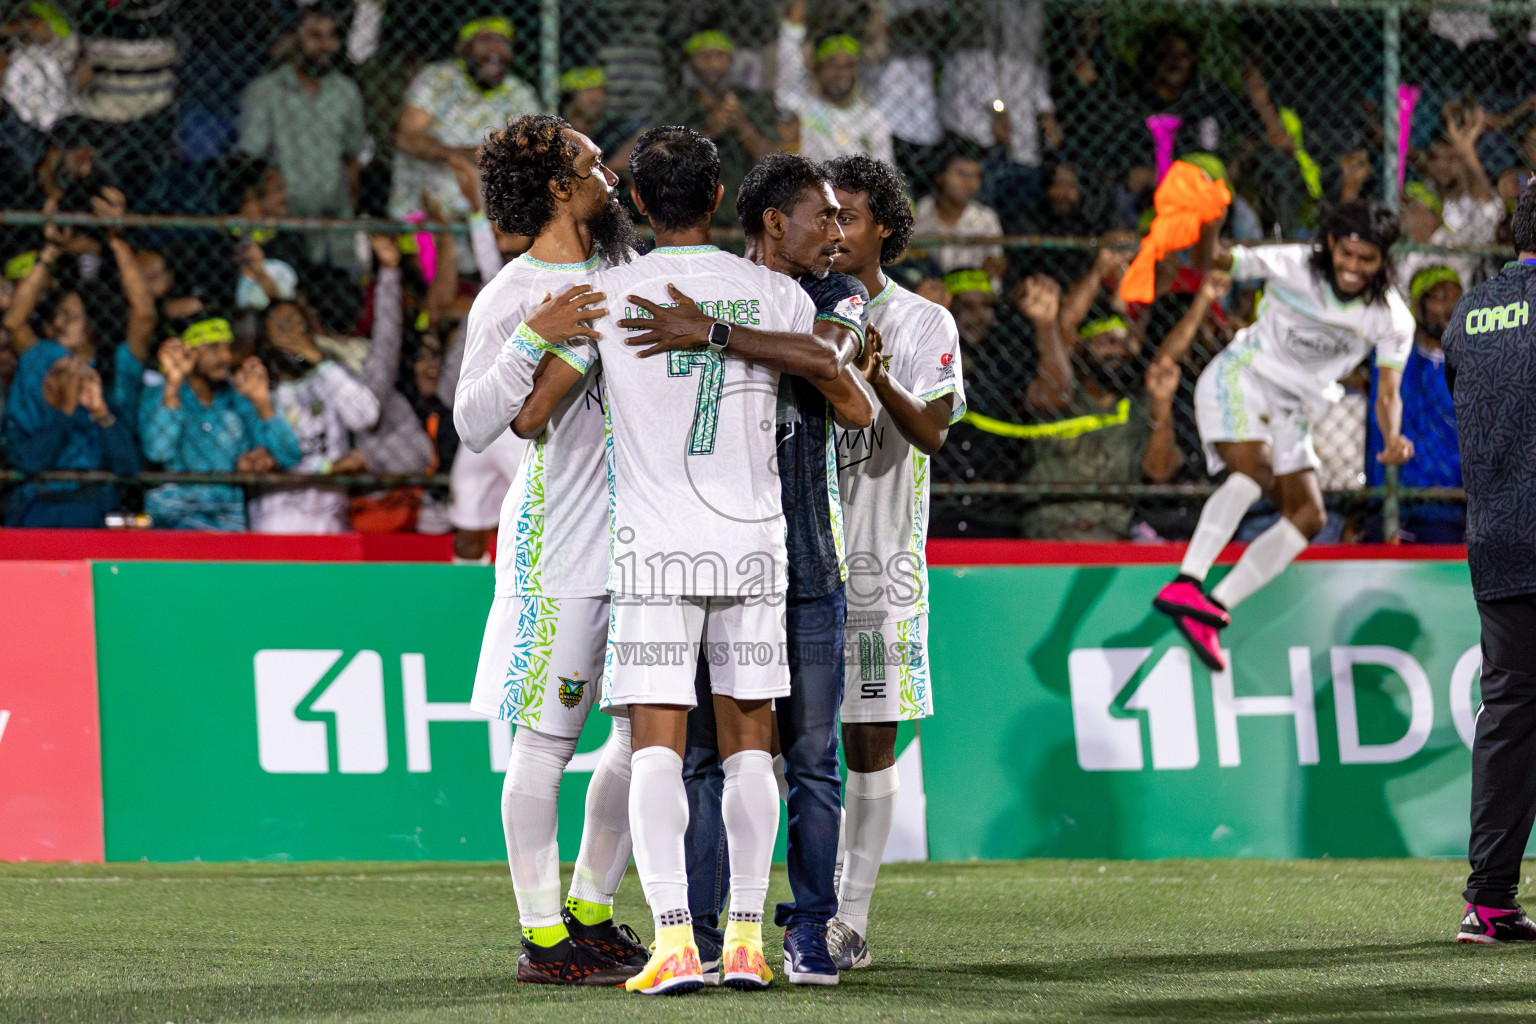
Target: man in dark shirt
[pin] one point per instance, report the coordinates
(1492, 375)
(741, 122)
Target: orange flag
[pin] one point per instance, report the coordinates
(1186, 199)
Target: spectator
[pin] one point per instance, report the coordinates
(1061, 211)
(1471, 212)
(904, 82)
(997, 361)
(205, 419)
(1514, 180)
(952, 210)
(835, 120)
(1429, 419)
(584, 103)
(325, 405)
(41, 88)
(741, 122)
(449, 106)
(398, 443)
(1111, 429)
(61, 413)
(306, 118)
(130, 49)
(996, 93)
(267, 261)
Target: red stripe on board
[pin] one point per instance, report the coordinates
(954, 552)
(179, 546)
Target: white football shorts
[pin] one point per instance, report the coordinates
(541, 662)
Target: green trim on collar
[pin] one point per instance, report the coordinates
(685, 250)
(590, 264)
(885, 293)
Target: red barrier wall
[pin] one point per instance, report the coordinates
(50, 743)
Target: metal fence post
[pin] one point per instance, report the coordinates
(549, 54)
(1391, 77)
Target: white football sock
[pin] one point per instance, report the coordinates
(749, 807)
(780, 778)
(1219, 520)
(1266, 558)
(530, 800)
(870, 806)
(842, 848)
(605, 842)
(658, 818)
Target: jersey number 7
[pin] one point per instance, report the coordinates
(706, 409)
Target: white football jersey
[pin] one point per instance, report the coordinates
(554, 519)
(693, 481)
(1304, 339)
(883, 479)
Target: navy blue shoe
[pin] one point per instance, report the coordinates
(806, 960)
(710, 945)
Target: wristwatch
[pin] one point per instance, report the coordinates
(719, 336)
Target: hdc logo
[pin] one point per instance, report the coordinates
(1107, 741)
(300, 701)
(288, 743)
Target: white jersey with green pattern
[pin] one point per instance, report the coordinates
(693, 478)
(883, 479)
(552, 540)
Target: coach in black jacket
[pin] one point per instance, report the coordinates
(1490, 353)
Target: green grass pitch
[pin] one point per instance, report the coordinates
(1032, 940)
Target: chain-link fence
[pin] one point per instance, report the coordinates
(256, 145)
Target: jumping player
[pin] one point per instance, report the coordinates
(1325, 307)
(545, 635)
(883, 472)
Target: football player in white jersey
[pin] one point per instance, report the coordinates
(543, 650)
(1325, 308)
(883, 472)
(699, 560)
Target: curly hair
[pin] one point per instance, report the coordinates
(888, 202)
(1369, 221)
(775, 183)
(517, 165)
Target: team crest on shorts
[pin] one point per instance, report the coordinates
(571, 690)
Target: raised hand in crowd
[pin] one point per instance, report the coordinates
(1354, 172)
(1037, 298)
(251, 381)
(92, 398)
(61, 385)
(176, 362)
(1163, 378)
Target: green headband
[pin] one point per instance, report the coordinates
(495, 26)
(50, 14)
(207, 332)
(18, 267)
(1210, 163)
(1094, 328)
(1418, 192)
(961, 281)
(838, 44)
(709, 39)
(578, 79)
(1427, 278)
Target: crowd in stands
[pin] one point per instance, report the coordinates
(328, 354)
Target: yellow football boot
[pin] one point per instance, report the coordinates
(674, 965)
(742, 963)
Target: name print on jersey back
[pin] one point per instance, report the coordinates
(694, 486)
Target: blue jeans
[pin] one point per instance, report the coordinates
(807, 721)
